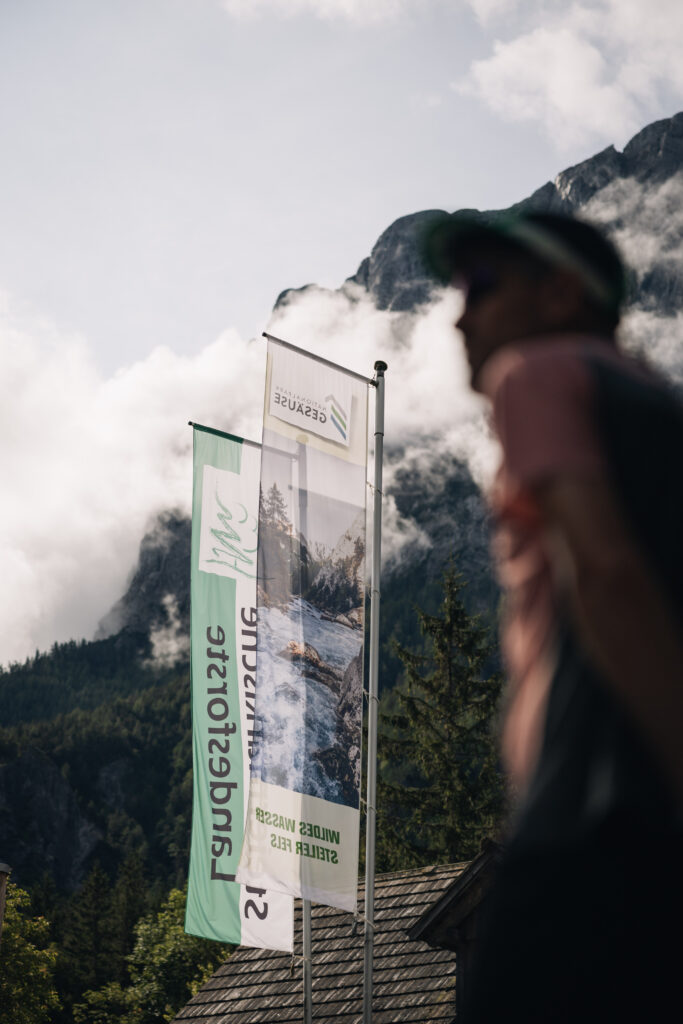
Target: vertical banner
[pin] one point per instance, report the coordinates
(302, 828)
(223, 670)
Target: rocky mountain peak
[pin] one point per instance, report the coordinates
(393, 273)
(157, 600)
(656, 152)
(578, 184)
(652, 156)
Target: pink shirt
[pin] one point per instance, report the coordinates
(543, 407)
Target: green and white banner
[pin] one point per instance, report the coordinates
(302, 826)
(223, 668)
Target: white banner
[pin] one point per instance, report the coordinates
(303, 819)
(311, 396)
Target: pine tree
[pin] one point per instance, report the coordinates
(276, 507)
(129, 903)
(275, 546)
(88, 941)
(440, 789)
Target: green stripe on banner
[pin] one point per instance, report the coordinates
(339, 416)
(213, 901)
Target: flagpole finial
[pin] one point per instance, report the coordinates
(380, 367)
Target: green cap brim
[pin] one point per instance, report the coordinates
(448, 240)
(555, 240)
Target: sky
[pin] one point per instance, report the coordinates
(170, 166)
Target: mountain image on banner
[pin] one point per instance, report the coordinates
(311, 589)
(338, 585)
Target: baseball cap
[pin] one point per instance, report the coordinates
(555, 239)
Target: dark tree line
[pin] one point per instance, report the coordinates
(440, 790)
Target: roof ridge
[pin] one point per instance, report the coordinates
(431, 869)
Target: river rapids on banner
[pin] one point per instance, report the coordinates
(302, 729)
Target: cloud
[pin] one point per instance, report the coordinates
(89, 461)
(399, 535)
(170, 642)
(645, 223)
(657, 340)
(557, 78)
(586, 70)
(487, 10)
(360, 12)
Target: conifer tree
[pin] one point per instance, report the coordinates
(129, 903)
(275, 545)
(88, 941)
(440, 789)
(276, 507)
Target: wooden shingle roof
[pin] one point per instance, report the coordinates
(413, 983)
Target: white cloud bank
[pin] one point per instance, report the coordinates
(88, 462)
(584, 70)
(646, 223)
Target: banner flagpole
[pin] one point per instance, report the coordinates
(308, 972)
(307, 936)
(373, 699)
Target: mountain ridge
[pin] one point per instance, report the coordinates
(395, 279)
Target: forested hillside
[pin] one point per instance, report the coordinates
(95, 802)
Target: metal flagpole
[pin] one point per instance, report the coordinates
(373, 700)
(302, 487)
(308, 973)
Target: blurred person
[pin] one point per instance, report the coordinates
(583, 920)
